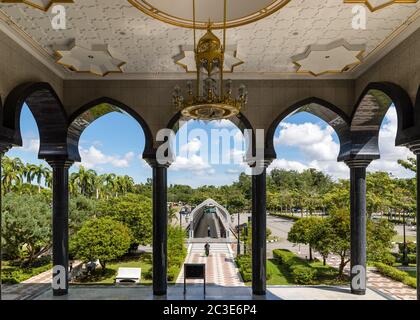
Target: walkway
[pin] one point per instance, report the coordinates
(220, 265)
(29, 288)
(394, 289)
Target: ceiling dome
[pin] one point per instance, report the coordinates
(180, 12)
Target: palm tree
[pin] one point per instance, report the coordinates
(36, 172)
(84, 180)
(110, 184)
(12, 173)
(123, 184)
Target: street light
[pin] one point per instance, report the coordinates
(239, 235)
(405, 262)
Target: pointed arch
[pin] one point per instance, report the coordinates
(49, 114)
(373, 104)
(324, 110)
(93, 110)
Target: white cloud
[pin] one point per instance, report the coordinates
(93, 157)
(287, 165)
(192, 147)
(319, 150)
(315, 142)
(223, 124)
(191, 161)
(30, 145)
(389, 153)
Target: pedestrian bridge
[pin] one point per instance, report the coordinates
(210, 220)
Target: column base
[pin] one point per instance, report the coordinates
(259, 293)
(358, 292)
(60, 293)
(159, 293)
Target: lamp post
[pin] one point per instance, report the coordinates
(246, 238)
(405, 262)
(239, 235)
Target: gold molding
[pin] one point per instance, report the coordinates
(37, 47)
(151, 11)
(31, 4)
(185, 67)
(74, 69)
(384, 5)
(346, 68)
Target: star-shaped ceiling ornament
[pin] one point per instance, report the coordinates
(97, 60)
(186, 59)
(43, 5)
(375, 5)
(336, 57)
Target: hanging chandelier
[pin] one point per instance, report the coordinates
(211, 98)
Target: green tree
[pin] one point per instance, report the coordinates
(26, 226)
(104, 239)
(302, 232)
(135, 211)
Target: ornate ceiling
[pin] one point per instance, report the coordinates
(268, 47)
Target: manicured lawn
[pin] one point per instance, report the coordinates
(411, 273)
(16, 274)
(108, 276)
(400, 238)
(281, 276)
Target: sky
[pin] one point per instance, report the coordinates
(302, 141)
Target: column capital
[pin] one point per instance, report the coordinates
(156, 164)
(264, 163)
(414, 147)
(4, 147)
(358, 163)
(60, 163)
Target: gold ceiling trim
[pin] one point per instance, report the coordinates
(74, 69)
(372, 8)
(34, 5)
(27, 38)
(151, 11)
(185, 67)
(327, 48)
(346, 68)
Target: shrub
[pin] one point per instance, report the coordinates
(387, 258)
(303, 275)
(283, 255)
(245, 267)
(412, 258)
(173, 273)
(104, 239)
(396, 274)
(411, 248)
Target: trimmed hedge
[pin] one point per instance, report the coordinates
(245, 267)
(286, 216)
(303, 275)
(299, 268)
(396, 274)
(244, 264)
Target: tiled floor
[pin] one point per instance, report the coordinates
(220, 265)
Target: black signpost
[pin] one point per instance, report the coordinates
(194, 271)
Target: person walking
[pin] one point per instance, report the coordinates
(207, 249)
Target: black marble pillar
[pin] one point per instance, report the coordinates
(415, 148)
(60, 230)
(3, 149)
(160, 229)
(358, 225)
(259, 227)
